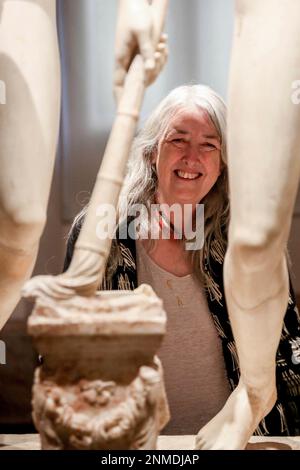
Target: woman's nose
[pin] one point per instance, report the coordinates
(192, 156)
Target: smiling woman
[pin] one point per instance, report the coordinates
(179, 157)
(188, 158)
(175, 138)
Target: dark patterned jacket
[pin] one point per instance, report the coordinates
(284, 419)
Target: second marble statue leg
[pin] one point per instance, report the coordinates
(264, 168)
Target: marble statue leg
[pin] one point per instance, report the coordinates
(29, 69)
(264, 167)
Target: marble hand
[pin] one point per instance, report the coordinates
(134, 34)
(82, 278)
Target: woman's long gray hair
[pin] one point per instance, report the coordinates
(141, 182)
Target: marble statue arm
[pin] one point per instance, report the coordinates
(86, 270)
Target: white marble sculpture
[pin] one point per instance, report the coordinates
(29, 121)
(101, 386)
(264, 172)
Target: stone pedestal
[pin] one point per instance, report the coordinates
(100, 385)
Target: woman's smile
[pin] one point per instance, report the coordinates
(187, 176)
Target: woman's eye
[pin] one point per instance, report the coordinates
(209, 147)
(179, 141)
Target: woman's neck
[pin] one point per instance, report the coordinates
(170, 254)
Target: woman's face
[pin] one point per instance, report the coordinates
(188, 159)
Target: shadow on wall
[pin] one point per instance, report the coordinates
(16, 378)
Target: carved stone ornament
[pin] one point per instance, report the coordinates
(100, 385)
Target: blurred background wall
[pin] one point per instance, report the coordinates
(199, 40)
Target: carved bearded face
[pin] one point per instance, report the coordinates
(188, 159)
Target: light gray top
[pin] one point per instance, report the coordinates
(191, 352)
